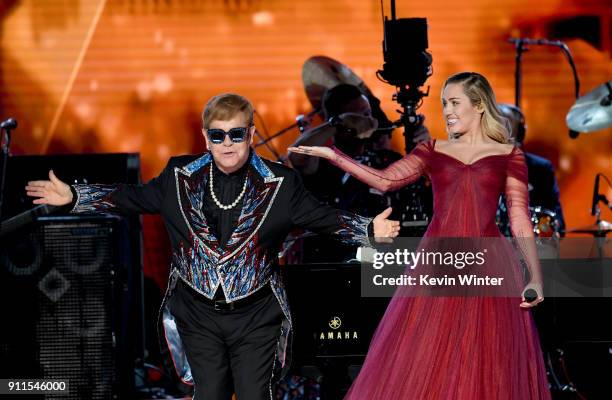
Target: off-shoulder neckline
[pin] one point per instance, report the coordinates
(433, 148)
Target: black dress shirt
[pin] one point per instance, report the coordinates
(227, 188)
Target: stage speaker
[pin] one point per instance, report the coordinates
(65, 295)
(105, 168)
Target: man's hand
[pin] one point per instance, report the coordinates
(53, 191)
(385, 228)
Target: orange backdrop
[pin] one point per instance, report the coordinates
(133, 76)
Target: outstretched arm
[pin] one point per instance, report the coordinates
(396, 175)
(123, 198)
(316, 136)
(308, 213)
(362, 126)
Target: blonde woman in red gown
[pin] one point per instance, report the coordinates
(458, 348)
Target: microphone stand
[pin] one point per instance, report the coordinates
(520, 46)
(263, 141)
(518, 58)
(301, 122)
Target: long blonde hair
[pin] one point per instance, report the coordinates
(479, 91)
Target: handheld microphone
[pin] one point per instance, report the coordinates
(530, 295)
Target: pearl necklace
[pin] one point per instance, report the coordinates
(217, 202)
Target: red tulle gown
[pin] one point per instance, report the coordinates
(456, 348)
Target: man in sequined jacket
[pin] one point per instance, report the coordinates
(225, 319)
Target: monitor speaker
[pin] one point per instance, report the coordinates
(65, 299)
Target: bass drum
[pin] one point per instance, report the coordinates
(545, 221)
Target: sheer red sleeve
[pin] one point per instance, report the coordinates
(517, 199)
(396, 175)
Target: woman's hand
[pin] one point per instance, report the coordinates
(537, 287)
(316, 151)
(53, 191)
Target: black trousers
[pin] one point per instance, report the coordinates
(228, 351)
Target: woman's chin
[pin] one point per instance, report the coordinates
(454, 133)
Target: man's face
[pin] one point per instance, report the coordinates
(360, 105)
(230, 156)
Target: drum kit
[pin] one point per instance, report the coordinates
(320, 73)
(411, 204)
(545, 222)
(591, 112)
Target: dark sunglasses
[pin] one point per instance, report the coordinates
(236, 135)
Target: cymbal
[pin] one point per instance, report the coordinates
(320, 73)
(593, 111)
(598, 229)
